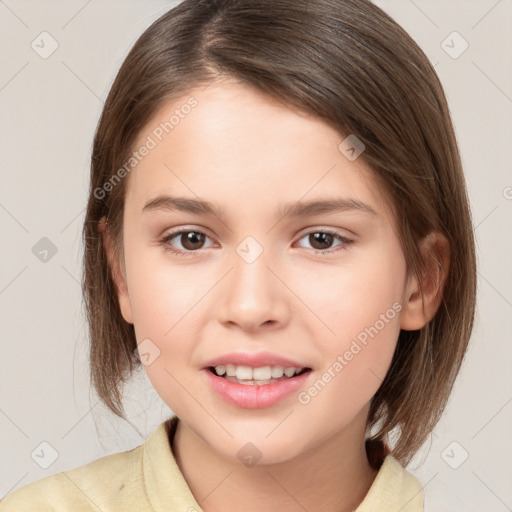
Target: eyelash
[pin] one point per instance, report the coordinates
(165, 241)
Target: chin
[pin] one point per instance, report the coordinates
(258, 450)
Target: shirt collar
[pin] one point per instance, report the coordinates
(394, 488)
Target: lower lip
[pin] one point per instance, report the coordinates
(253, 396)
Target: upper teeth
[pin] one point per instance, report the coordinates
(262, 373)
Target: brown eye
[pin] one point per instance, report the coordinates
(325, 241)
(191, 240)
(321, 241)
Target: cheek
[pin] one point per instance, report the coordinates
(352, 374)
(164, 299)
(359, 306)
(163, 294)
(352, 296)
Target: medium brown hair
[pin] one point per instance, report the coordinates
(349, 64)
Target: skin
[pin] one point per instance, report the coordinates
(244, 151)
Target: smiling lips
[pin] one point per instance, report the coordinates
(242, 374)
(254, 381)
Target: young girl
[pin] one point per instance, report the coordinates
(278, 232)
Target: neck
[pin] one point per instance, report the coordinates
(335, 476)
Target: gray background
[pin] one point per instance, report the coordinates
(49, 110)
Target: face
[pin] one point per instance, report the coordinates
(260, 283)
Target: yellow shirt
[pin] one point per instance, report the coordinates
(148, 479)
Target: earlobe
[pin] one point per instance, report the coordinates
(117, 275)
(423, 296)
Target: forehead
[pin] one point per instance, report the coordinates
(228, 141)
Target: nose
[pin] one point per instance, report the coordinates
(253, 296)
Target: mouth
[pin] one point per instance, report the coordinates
(255, 380)
(259, 376)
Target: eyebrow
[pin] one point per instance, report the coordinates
(297, 209)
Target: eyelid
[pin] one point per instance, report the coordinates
(345, 241)
(341, 232)
(194, 228)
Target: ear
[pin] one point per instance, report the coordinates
(423, 297)
(117, 273)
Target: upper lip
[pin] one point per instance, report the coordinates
(254, 360)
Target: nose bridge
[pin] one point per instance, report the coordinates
(252, 295)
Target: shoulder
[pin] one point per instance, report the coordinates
(394, 488)
(103, 484)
